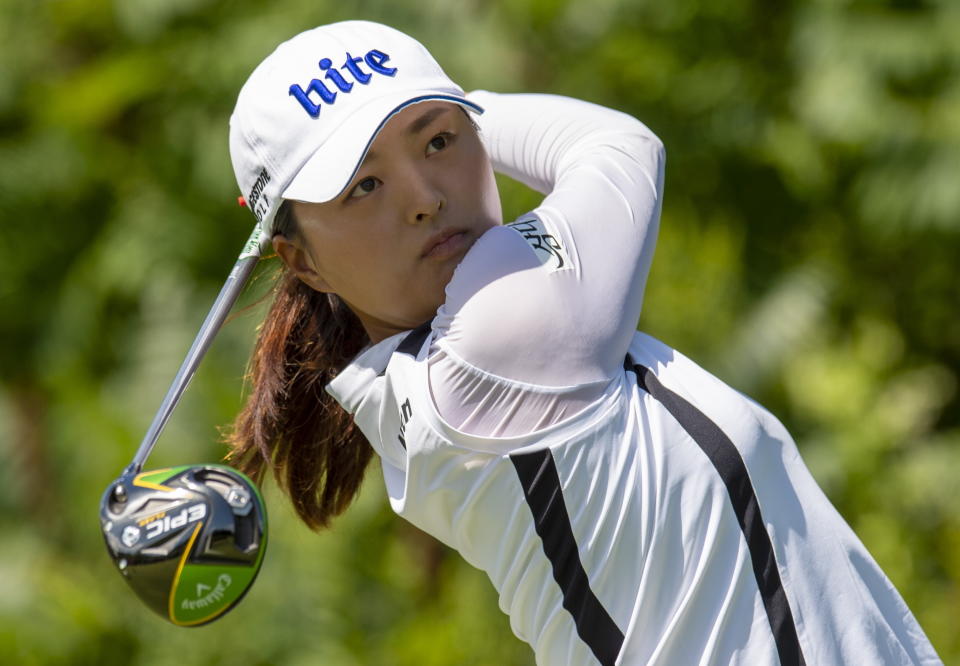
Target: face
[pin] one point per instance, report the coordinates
(388, 245)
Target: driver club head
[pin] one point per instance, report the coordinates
(189, 540)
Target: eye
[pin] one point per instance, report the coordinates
(364, 187)
(439, 142)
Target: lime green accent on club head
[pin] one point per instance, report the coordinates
(201, 593)
(156, 478)
(206, 591)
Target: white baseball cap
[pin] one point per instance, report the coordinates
(307, 115)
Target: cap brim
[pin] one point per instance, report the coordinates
(331, 168)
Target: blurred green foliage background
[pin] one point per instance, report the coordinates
(808, 255)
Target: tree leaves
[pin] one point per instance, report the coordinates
(808, 252)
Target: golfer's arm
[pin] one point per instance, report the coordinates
(603, 174)
(536, 138)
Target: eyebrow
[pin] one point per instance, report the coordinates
(428, 117)
(416, 126)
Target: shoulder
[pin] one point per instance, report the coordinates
(510, 307)
(500, 254)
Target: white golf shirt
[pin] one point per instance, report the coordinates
(628, 506)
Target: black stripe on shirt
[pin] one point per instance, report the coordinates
(732, 470)
(413, 341)
(541, 487)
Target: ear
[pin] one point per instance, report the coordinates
(300, 262)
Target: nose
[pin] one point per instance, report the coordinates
(425, 198)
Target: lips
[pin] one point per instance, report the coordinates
(445, 244)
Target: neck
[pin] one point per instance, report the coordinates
(378, 329)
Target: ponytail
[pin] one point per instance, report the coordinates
(290, 424)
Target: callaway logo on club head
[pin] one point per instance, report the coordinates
(207, 595)
(374, 59)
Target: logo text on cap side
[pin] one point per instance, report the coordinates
(374, 59)
(256, 200)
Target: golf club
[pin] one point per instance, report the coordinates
(189, 540)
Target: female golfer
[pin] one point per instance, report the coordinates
(628, 506)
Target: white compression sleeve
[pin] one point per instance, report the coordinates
(548, 305)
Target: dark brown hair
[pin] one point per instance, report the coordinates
(289, 423)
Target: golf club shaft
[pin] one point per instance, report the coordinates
(231, 289)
